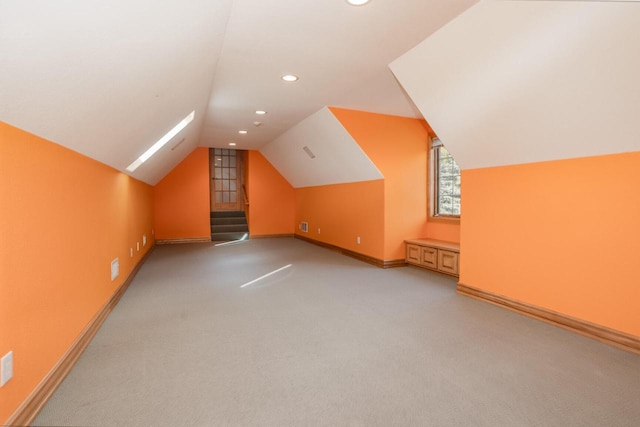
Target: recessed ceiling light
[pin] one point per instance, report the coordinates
(161, 142)
(233, 144)
(289, 78)
(242, 132)
(261, 112)
(357, 2)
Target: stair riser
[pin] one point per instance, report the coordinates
(228, 221)
(229, 229)
(227, 214)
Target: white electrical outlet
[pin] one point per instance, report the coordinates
(304, 226)
(6, 368)
(318, 230)
(153, 232)
(144, 240)
(115, 269)
(131, 252)
(138, 246)
(358, 240)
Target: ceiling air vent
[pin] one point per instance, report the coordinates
(309, 152)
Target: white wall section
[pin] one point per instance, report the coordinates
(511, 82)
(338, 157)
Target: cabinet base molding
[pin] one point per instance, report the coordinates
(29, 409)
(180, 241)
(591, 330)
(393, 263)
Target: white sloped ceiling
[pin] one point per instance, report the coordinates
(109, 78)
(338, 157)
(511, 82)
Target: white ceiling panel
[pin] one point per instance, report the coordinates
(338, 157)
(108, 78)
(511, 82)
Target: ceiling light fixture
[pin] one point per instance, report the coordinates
(261, 112)
(161, 142)
(357, 2)
(242, 132)
(233, 144)
(289, 78)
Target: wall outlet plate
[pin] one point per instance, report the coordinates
(144, 240)
(6, 368)
(115, 268)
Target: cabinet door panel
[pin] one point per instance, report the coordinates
(429, 257)
(413, 254)
(448, 262)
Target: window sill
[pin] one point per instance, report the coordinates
(444, 219)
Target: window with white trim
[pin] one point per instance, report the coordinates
(445, 183)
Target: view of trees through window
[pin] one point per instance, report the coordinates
(447, 184)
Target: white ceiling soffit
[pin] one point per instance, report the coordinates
(108, 78)
(338, 158)
(340, 52)
(512, 82)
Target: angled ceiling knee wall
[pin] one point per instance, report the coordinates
(511, 82)
(319, 151)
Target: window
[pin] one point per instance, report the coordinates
(445, 183)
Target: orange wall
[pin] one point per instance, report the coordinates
(563, 235)
(271, 198)
(398, 146)
(182, 199)
(63, 219)
(343, 212)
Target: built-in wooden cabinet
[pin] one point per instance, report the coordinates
(437, 255)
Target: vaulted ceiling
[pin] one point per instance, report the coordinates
(108, 78)
(500, 81)
(511, 82)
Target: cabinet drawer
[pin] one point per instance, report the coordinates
(429, 257)
(413, 254)
(448, 261)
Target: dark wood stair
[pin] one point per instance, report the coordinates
(229, 225)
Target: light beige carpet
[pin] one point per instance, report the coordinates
(330, 341)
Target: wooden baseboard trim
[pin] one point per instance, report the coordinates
(29, 409)
(181, 241)
(591, 330)
(360, 257)
(269, 236)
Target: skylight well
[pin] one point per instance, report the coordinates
(161, 142)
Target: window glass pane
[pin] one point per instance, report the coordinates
(225, 151)
(225, 173)
(218, 173)
(232, 185)
(225, 184)
(448, 183)
(217, 151)
(233, 197)
(232, 173)
(218, 197)
(218, 185)
(232, 162)
(225, 197)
